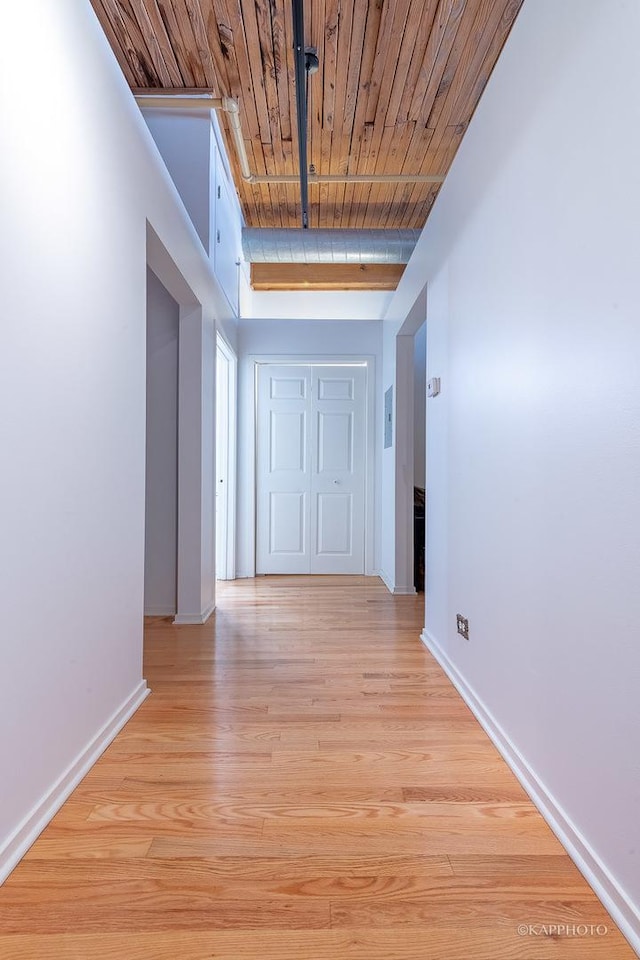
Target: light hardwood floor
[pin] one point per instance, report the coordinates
(303, 784)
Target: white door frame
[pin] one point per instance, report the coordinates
(404, 464)
(226, 469)
(404, 441)
(196, 423)
(366, 360)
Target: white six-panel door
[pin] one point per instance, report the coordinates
(311, 462)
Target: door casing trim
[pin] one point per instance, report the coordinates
(369, 362)
(228, 571)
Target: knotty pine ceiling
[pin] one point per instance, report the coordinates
(397, 85)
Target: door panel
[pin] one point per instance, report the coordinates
(310, 474)
(287, 534)
(335, 528)
(335, 442)
(288, 388)
(287, 436)
(334, 388)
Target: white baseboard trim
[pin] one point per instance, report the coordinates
(386, 580)
(159, 611)
(397, 591)
(186, 619)
(622, 909)
(17, 844)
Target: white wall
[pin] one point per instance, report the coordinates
(396, 563)
(79, 181)
(437, 460)
(314, 304)
(226, 229)
(388, 475)
(303, 338)
(531, 257)
(419, 405)
(185, 141)
(193, 150)
(161, 503)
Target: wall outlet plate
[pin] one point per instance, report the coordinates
(462, 626)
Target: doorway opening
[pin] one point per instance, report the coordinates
(180, 454)
(419, 455)
(226, 379)
(410, 466)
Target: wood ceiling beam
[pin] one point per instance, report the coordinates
(326, 276)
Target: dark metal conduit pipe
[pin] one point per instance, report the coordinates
(301, 105)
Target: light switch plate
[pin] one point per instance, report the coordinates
(433, 387)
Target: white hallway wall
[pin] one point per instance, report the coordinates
(419, 405)
(185, 142)
(190, 144)
(534, 444)
(303, 338)
(315, 304)
(79, 181)
(396, 564)
(161, 501)
(388, 477)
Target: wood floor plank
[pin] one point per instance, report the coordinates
(138, 790)
(304, 783)
(434, 912)
(446, 837)
(123, 906)
(236, 871)
(460, 941)
(87, 848)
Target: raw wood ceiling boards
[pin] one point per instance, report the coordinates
(397, 85)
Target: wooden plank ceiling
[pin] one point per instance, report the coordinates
(397, 85)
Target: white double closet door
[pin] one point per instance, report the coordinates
(311, 469)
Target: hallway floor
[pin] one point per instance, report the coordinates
(303, 783)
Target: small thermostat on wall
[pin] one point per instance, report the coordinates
(433, 387)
